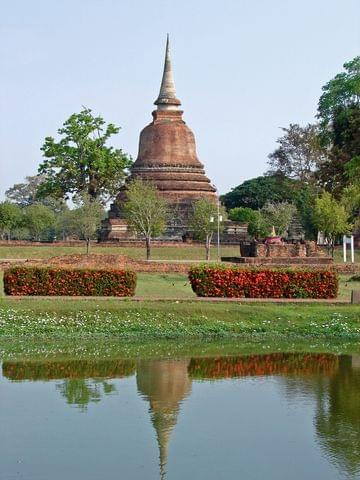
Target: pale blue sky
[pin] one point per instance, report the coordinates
(242, 69)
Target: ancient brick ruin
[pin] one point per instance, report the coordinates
(167, 158)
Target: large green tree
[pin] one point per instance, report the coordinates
(339, 115)
(256, 192)
(81, 161)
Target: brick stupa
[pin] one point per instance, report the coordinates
(167, 158)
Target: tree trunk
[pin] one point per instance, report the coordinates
(87, 246)
(148, 248)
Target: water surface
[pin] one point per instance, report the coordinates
(254, 416)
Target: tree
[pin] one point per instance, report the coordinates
(255, 193)
(278, 215)
(25, 194)
(145, 211)
(341, 92)
(299, 153)
(344, 138)
(39, 220)
(331, 218)
(258, 227)
(203, 221)
(305, 204)
(85, 220)
(81, 161)
(10, 218)
(339, 115)
(242, 214)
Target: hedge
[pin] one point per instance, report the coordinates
(77, 282)
(215, 281)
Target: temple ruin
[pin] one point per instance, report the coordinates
(167, 158)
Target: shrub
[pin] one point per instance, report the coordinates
(58, 281)
(215, 281)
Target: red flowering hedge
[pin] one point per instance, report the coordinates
(78, 282)
(217, 281)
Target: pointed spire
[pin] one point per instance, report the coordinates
(167, 97)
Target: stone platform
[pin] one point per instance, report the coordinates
(281, 261)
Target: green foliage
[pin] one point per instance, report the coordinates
(258, 227)
(353, 170)
(10, 218)
(299, 153)
(341, 92)
(278, 215)
(85, 220)
(39, 220)
(145, 211)
(81, 160)
(204, 221)
(255, 193)
(242, 214)
(343, 145)
(305, 204)
(331, 218)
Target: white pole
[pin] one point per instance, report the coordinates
(352, 249)
(218, 230)
(344, 247)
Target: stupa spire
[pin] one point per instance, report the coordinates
(167, 99)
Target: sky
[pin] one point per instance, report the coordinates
(243, 69)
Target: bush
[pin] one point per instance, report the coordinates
(58, 281)
(233, 282)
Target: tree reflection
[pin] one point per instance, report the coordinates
(337, 419)
(81, 392)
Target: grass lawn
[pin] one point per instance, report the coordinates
(186, 252)
(86, 319)
(182, 252)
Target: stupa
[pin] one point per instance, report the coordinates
(167, 158)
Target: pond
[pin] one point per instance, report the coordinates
(273, 415)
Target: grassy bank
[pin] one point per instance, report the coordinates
(111, 348)
(86, 319)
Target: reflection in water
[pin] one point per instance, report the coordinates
(338, 416)
(165, 384)
(333, 381)
(81, 392)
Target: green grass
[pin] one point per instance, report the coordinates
(161, 285)
(183, 252)
(20, 349)
(67, 318)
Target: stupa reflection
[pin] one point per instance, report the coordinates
(165, 384)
